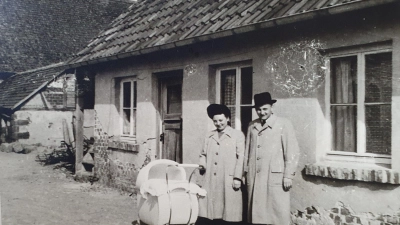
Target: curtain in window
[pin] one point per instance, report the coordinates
(344, 114)
(378, 90)
(228, 91)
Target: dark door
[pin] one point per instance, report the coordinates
(171, 116)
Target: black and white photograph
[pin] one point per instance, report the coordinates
(200, 112)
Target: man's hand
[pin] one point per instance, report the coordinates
(236, 184)
(202, 170)
(287, 183)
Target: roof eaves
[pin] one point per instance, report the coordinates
(30, 95)
(287, 19)
(43, 85)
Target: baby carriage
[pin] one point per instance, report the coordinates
(166, 196)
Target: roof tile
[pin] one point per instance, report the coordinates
(150, 23)
(19, 86)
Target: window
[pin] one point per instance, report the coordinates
(128, 107)
(235, 85)
(360, 104)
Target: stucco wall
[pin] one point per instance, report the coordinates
(306, 111)
(44, 127)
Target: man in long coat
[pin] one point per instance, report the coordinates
(271, 157)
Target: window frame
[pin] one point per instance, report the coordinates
(360, 155)
(133, 108)
(238, 84)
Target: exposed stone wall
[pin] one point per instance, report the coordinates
(109, 168)
(342, 214)
(19, 127)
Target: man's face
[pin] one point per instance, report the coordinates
(264, 111)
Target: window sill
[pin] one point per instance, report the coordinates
(359, 158)
(128, 145)
(353, 171)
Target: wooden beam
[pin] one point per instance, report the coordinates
(79, 133)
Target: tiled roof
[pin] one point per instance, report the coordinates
(17, 88)
(163, 23)
(36, 33)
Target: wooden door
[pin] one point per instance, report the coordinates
(171, 116)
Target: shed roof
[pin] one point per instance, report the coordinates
(18, 88)
(152, 25)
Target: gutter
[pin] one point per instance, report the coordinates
(333, 10)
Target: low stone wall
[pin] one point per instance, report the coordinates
(342, 215)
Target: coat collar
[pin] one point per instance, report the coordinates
(227, 132)
(269, 123)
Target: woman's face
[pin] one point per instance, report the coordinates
(220, 122)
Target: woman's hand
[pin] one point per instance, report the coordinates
(287, 183)
(236, 184)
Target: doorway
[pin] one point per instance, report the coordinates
(171, 114)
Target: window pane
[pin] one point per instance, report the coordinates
(344, 80)
(233, 114)
(378, 77)
(174, 99)
(126, 121)
(379, 128)
(134, 122)
(344, 128)
(134, 94)
(126, 94)
(245, 117)
(228, 87)
(247, 85)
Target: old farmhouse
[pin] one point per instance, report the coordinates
(333, 65)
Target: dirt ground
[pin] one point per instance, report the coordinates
(34, 194)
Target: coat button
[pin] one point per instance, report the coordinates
(259, 134)
(258, 146)
(216, 153)
(215, 174)
(258, 171)
(215, 163)
(258, 158)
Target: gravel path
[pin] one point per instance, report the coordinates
(34, 194)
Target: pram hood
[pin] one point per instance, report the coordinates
(158, 187)
(162, 176)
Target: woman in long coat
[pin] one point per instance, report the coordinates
(222, 158)
(271, 159)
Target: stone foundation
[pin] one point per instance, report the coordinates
(114, 172)
(342, 215)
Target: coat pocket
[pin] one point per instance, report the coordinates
(275, 179)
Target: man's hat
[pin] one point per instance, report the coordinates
(217, 109)
(263, 99)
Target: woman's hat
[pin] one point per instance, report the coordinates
(263, 99)
(217, 109)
